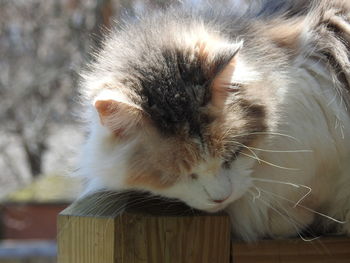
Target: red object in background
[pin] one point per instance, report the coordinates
(29, 221)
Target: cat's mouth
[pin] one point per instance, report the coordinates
(212, 207)
(218, 205)
(216, 208)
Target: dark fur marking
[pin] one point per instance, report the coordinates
(174, 87)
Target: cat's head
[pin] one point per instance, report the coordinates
(175, 115)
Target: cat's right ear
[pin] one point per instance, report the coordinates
(119, 115)
(221, 85)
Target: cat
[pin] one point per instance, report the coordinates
(227, 108)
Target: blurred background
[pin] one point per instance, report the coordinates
(44, 44)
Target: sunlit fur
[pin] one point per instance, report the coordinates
(266, 136)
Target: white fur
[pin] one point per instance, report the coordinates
(100, 159)
(310, 111)
(202, 192)
(314, 114)
(267, 192)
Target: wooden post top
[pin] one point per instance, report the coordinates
(131, 227)
(112, 204)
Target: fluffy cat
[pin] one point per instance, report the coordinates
(243, 109)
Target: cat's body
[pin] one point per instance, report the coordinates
(242, 110)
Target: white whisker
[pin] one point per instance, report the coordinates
(292, 222)
(287, 183)
(249, 149)
(273, 165)
(305, 207)
(256, 196)
(281, 151)
(268, 133)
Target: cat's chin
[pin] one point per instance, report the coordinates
(212, 209)
(215, 209)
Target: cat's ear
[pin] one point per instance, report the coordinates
(224, 65)
(215, 54)
(118, 114)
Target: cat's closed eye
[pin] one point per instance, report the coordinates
(226, 164)
(194, 176)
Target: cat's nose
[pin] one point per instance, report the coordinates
(218, 201)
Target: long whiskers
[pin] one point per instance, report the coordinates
(272, 164)
(286, 217)
(287, 183)
(304, 207)
(248, 148)
(281, 151)
(268, 133)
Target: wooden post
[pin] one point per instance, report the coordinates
(131, 228)
(323, 250)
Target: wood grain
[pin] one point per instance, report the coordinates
(324, 250)
(85, 239)
(202, 239)
(137, 234)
